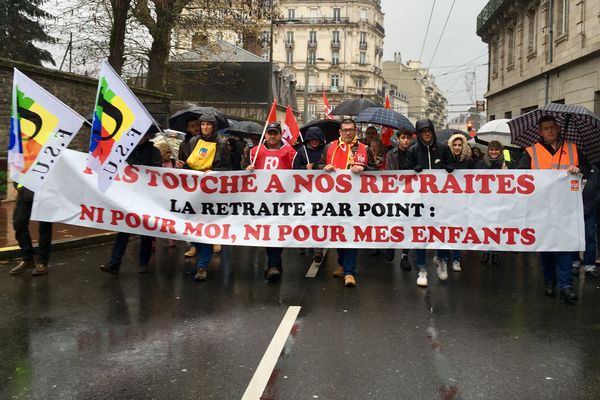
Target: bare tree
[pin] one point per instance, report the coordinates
(120, 12)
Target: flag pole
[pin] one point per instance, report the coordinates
(262, 138)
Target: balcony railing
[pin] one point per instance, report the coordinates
(379, 28)
(320, 88)
(362, 45)
(312, 44)
(488, 11)
(289, 45)
(318, 20)
(335, 45)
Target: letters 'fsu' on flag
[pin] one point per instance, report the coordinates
(327, 107)
(290, 127)
(41, 127)
(120, 121)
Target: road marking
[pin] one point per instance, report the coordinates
(314, 267)
(263, 372)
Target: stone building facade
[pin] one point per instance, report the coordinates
(332, 47)
(541, 51)
(425, 100)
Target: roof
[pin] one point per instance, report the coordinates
(219, 51)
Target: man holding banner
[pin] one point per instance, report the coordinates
(552, 152)
(347, 153)
(272, 153)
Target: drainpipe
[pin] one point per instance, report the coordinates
(550, 54)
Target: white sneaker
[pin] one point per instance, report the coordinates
(456, 266)
(442, 270)
(422, 279)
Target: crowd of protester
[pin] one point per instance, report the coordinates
(358, 154)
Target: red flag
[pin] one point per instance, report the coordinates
(386, 134)
(272, 117)
(291, 131)
(327, 107)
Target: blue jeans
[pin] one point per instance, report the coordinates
(448, 255)
(121, 245)
(205, 252)
(421, 258)
(561, 261)
(347, 259)
(274, 257)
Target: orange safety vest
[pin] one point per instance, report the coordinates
(562, 159)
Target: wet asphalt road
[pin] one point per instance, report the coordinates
(486, 333)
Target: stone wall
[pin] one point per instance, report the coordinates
(76, 91)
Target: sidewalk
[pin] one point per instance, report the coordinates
(63, 236)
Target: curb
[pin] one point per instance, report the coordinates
(11, 252)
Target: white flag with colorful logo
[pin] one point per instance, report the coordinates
(120, 121)
(41, 128)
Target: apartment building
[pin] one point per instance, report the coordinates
(330, 46)
(425, 100)
(541, 51)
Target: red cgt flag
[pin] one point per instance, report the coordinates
(327, 110)
(291, 131)
(272, 117)
(386, 134)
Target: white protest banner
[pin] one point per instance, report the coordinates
(511, 210)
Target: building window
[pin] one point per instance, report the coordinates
(531, 34)
(335, 37)
(492, 117)
(290, 38)
(337, 14)
(508, 114)
(289, 59)
(359, 82)
(312, 37)
(562, 17)
(525, 110)
(291, 13)
(335, 57)
(510, 57)
(265, 54)
(335, 81)
(363, 14)
(362, 58)
(363, 38)
(312, 57)
(312, 109)
(314, 14)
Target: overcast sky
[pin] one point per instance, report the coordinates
(405, 23)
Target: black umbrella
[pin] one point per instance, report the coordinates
(330, 127)
(353, 106)
(443, 135)
(578, 125)
(386, 117)
(245, 129)
(178, 120)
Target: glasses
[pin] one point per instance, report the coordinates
(348, 130)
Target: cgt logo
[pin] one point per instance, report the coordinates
(575, 185)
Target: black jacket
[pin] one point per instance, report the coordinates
(396, 159)
(145, 154)
(222, 160)
(428, 156)
(314, 154)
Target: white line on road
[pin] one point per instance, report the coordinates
(314, 267)
(259, 381)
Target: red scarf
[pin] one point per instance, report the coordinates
(341, 155)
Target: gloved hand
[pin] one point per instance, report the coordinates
(418, 168)
(449, 169)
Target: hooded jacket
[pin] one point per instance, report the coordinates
(434, 155)
(463, 160)
(145, 154)
(314, 154)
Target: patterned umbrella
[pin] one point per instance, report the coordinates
(386, 117)
(353, 106)
(578, 125)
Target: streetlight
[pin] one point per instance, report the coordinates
(306, 86)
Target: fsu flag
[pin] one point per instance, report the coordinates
(120, 121)
(327, 110)
(41, 127)
(291, 131)
(387, 133)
